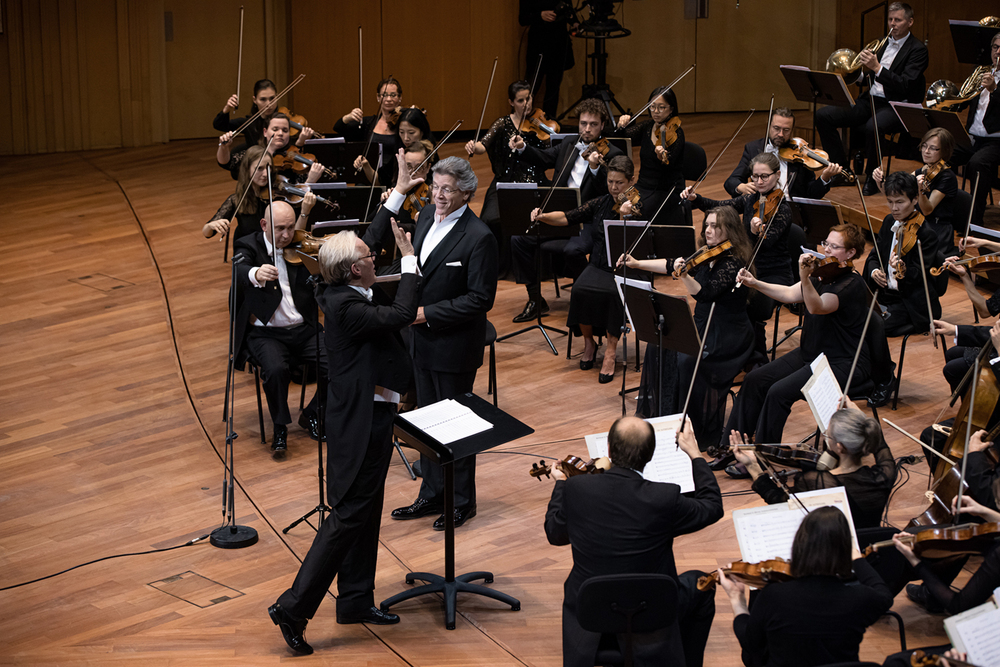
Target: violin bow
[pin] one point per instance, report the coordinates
(708, 169)
(245, 191)
(878, 137)
(767, 130)
(371, 190)
(371, 134)
(277, 97)
(968, 221)
(649, 223)
(650, 103)
(857, 352)
(552, 188)
(458, 123)
(968, 437)
(361, 72)
(919, 442)
(479, 127)
(864, 206)
(694, 374)
(927, 294)
(270, 215)
(239, 62)
(767, 227)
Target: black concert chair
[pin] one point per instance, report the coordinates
(625, 604)
(899, 367)
(252, 367)
(491, 342)
(694, 161)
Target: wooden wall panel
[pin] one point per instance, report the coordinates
(101, 111)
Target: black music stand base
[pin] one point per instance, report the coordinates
(541, 327)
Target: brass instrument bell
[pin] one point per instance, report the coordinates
(847, 63)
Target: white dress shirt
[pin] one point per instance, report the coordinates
(889, 55)
(977, 129)
(580, 166)
(286, 315)
(438, 231)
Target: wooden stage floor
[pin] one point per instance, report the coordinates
(111, 433)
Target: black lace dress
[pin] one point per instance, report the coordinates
(246, 223)
(507, 168)
(656, 179)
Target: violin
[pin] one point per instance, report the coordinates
(906, 238)
(571, 466)
(303, 242)
(828, 268)
(920, 659)
(770, 204)
(757, 575)
(930, 172)
(702, 255)
(966, 539)
(539, 125)
(297, 162)
(982, 263)
(296, 123)
(416, 199)
(795, 456)
(666, 137)
(393, 118)
(630, 195)
(797, 150)
(294, 194)
(601, 146)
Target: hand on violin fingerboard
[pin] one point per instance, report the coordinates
(831, 172)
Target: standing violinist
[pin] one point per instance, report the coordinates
(570, 169)
(661, 157)
(264, 92)
(771, 235)
(779, 135)
(901, 285)
(356, 126)
(277, 128)
(730, 337)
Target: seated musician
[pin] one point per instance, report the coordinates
(805, 183)
(411, 128)
(772, 261)
(819, 617)
(595, 308)
(619, 523)
(356, 126)
(264, 92)
(278, 128)
(901, 286)
(895, 73)
(835, 313)
(985, 307)
(588, 174)
(276, 320)
(851, 437)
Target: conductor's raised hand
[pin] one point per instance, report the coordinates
(404, 181)
(402, 239)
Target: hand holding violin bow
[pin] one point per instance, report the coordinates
(232, 104)
(744, 277)
(689, 194)
(355, 116)
(517, 143)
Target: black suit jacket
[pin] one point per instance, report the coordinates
(363, 344)
(261, 302)
(911, 287)
(903, 81)
(458, 287)
(556, 156)
(805, 184)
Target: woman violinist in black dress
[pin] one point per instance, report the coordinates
(355, 126)
(264, 92)
(411, 128)
(276, 139)
(730, 337)
(660, 166)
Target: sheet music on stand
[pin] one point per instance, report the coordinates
(447, 421)
(669, 464)
(767, 532)
(975, 632)
(822, 392)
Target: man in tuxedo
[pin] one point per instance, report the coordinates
(619, 523)
(276, 319)
(895, 74)
(457, 258)
(373, 370)
(571, 170)
(779, 134)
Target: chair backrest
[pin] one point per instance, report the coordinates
(796, 239)
(694, 161)
(614, 602)
(960, 209)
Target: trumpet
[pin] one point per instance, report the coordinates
(848, 63)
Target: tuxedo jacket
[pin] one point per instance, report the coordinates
(261, 302)
(805, 184)
(556, 156)
(619, 523)
(911, 287)
(903, 81)
(457, 289)
(365, 349)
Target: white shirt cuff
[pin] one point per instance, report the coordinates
(253, 277)
(408, 264)
(394, 201)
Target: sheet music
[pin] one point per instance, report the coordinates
(975, 632)
(447, 421)
(822, 392)
(669, 463)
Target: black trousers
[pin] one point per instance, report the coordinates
(434, 386)
(279, 350)
(553, 65)
(829, 119)
(346, 546)
(524, 259)
(982, 160)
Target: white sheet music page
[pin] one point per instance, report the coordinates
(975, 632)
(822, 391)
(669, 464)
(767, 532)
(447, 421)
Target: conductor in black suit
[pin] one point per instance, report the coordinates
(588, 174)
(276, 319)
(619, 523)
(457, 258)
(779, 134)
(896, 72)
(372, 370)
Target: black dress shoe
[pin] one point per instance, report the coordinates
(461, 516)
(279, 443)
(586, 365)
(919, 594)
(722, 462)
(604, 379)
(737, 471)
(292, 629)
(880, 395)
(531, 310)
(419, 508)
(310, 422)
(871, 187)
(373, 616)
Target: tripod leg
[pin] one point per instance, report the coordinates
(406, 462)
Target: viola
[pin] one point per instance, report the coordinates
(297, 162)
(966, 539)
(770, 204)
(795, 456)
(571, 466)
(416, 199)
(930, 172)
(982, 263)
(296, 123)
(539, 125)
(294, 194)
(828, 268)
(757, 575)
(601, 146)
(630, 195)
(906, 238)
(303, 242)
(920, 659)
(666, 137)
(702, 255)
(797, 150)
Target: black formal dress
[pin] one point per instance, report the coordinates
(277, 349)
(657, 179)
(246, 223)
(253, 132)
(354, 131)
(620, 523)
(812, 621)
(983, 158)
(805, 184)
(551, 41)
(942, 218)
(768, 393)
(363, 344)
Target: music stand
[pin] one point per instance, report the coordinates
(972, 42)
(818, 217)
(673, 241)
(339, 156)
(917, 120)
(505, 428)
(515, 202)
(353, 202)
(817, 87)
